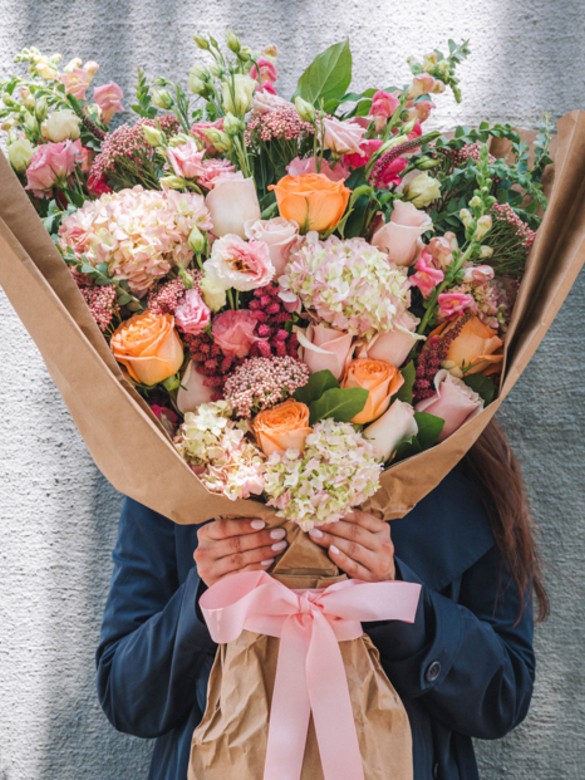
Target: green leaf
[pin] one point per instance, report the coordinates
(318, 383)
(429, 428)
(482, 385)
(342, 404)
(328, 76)
(409, 374)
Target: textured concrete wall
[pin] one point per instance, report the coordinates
(59, 515)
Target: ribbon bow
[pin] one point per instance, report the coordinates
(310, 675)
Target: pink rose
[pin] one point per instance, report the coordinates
(384, 104)
(185, 159)
(232, 202)
(233, 332)
(326, 348)
(263, 70)
(427, 277)
(243, 265)
(193, 391)
(108, 98)
(192, 315)
(198, 132)
(342, 137)
(393, 427)
(367, 148)
(401, 236)
(452, 304)
(51, 164)
(453, 401)
(395, 345)
(334, 172)
(279, 234)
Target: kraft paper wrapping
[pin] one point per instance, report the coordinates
(125, 439)
(230, 741)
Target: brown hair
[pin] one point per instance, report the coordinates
(493, 466)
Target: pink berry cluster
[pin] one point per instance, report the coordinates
(259, 383)
(430, 359)
(459, 157)
(283, 124)
(101, 300)
(504, 216)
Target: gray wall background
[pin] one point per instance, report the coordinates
(59, 515)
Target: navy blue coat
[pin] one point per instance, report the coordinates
(464, 669)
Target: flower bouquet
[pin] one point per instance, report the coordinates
(285, 308)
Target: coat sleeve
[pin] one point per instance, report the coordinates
(470, 662)
(154, 651)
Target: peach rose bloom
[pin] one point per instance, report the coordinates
(476, 350)
(283, 427)
(311, 200)
(149, 347)
(380, 378)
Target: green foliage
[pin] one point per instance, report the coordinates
(406, 391)
(483, 386)
(341, 404)
(328, 77)
(143, 106)
(318, 383)
(429, 430)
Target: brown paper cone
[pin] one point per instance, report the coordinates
(129, 445)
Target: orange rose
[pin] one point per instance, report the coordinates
(285, 426)
(311, 200)
(380, 378)
(148, 345)
(476, 350)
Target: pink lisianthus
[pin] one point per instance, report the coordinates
(427, 277)
(50, 165)
(342, 137)
(452, 304)
(335, 172)
(401, 236)
(185, 159)
(192, 315)
(367, 148)
(384, 104)
(233, 332)
(266, 101)
(452, 400)
(264, 70)
(213, 170)
(242, 265)
(279, 234)
(198, 132)
(108, 97)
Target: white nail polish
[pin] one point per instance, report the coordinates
(257, 525)
(268, 562)
(278, 533)
(316, 533)
(278, 546)
(334, 549)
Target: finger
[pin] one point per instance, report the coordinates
(363, 520)
(239, 561)
(351, 567)
(232, 545)
(224, 527)
(326, 534)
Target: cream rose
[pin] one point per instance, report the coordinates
(192, 391)
(232, 203)
(401, 236)
(62, 125)
(395, 425)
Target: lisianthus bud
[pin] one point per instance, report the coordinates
(213, 293)
(201, 42)
(485, 251)
(41, 109)
(197, 241)
(422, 190)
(173, 182)
(61, 125)
(232, 125)
(180, 139)
(19, 154)
(305, 110)
(198, 78)
(153, 136)
(233, 42)
(161, 98)
(236, 94)
(218, 139)
(475, 202)
(427, 163)
(484, 225)
(466, 217)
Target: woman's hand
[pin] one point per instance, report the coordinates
(225, 546)
(360, 545)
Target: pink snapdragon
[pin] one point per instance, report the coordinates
(425, 84)
(442, 248)
(77, 79)
(263, 71)
(427, 277)
(454, 303)
(108, 97)
(384, 104)
(368, 147)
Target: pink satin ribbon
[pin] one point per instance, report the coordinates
(310, 675)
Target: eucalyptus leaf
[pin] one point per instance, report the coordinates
(318, 383)
(342, 404)
(328, 77)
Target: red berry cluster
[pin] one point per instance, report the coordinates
(272, 318)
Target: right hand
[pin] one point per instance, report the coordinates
(225, 546)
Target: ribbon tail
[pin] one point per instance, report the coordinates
(290, 709)
(331, 706)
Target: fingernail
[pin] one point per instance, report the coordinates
(278, 533)
(268, 562)
(278, 546)
(257, 525)
(316, 533)
(334, 549)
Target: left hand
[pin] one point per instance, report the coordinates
(360, 545)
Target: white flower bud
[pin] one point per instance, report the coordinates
(19, 154)
(62, 125)
(422, 190)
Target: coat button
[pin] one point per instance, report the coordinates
(433, 671)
